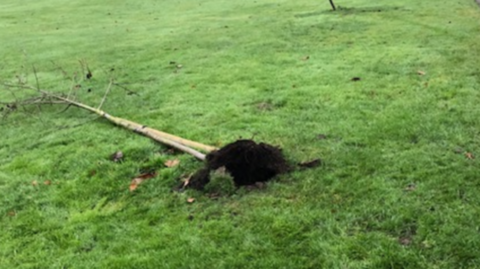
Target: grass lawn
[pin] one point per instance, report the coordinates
(399, 186)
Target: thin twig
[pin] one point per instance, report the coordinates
(36, 77)
(38, 85)
(106, 93)
(129, 92)
(73, 86)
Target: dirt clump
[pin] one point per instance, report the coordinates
(246, 161)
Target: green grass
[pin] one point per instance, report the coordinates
(244, 74)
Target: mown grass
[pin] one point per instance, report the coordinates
(396, 189)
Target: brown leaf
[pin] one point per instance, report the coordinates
(405, 241)
(12, 213)
(421, 73)
(190, 200)
(139, 179)
(321, 136)
(410, 187)
(469, 155)
(311, 164)
(47, 182)
(172, 163)
(117, 156)
(34, 183)
(133, 185)
(146, 176)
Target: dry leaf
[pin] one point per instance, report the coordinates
(117, 156)
(469, 155)
(421, 73)
(410, 187)
(172, 163)
(405, 241)
(322, 136)
(47, 182)
(306, 58)
(134, 184)
(34, 183)
(311, 164)
(139, 179)
(190, 200)
(12, 213)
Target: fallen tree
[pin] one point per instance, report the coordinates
(245, 160)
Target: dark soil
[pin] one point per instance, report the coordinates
(246, 161)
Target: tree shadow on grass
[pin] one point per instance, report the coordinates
(351, 10)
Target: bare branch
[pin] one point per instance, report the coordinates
(36, 77)
(47, 97)
(106, 93)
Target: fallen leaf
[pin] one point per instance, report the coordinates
(47, 182)
(172, 163)
(145, 176)
(34, 183)
(421, 73)
(134, 184)
(190, 200)
(12, 213)
(139, 179)
(469, 155)
(322, 136)
(310, 164)
(306, 58)
(117, 156)
(405, 241)
(410, 187)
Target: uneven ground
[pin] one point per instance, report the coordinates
(399, 186)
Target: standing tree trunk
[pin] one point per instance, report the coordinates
(332, 4)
